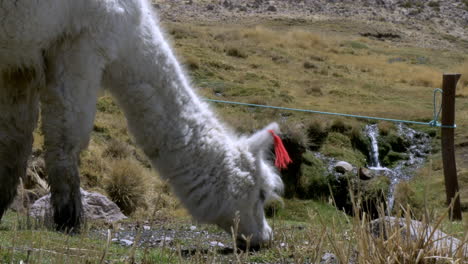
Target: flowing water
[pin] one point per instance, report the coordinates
(418, 149)
(372, 131)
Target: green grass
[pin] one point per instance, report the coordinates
(297, 222)
(302, 211)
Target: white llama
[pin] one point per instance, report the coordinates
(59, 52)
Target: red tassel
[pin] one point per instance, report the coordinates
(282, 156)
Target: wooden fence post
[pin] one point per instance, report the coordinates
(448, 148)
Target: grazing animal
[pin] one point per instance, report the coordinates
(60, 52)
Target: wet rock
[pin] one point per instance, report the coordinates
(365, 174)
(96, 207)
(343, 167)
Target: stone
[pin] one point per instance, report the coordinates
(217, 244)
(126, 242)
(329, 258)
(95, 205)
(343, 167)
(365, 174)
(439, 241)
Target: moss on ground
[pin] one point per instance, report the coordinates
(339, 146)
(314, 179)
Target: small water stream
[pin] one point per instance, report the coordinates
(372, 131)
(418, 149)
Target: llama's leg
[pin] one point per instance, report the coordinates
(18, 117)
(68, 109)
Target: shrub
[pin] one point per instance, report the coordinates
(356, 45)
(360, 141)
(435, 5)
(412, 3)
(235, 52)
(295, 141)
(309, 65)
(117, 149)
(393, 157)
(405, 196)
(339, 146)
(373, 194)
(386, 127)
(92, 166)
(314, 179)
(107, 105)
(406, 4)
(463, 69)
(317, 132)
(340, 126)
(126, 185)
(296, 132)
(314, 89)
(192, 63)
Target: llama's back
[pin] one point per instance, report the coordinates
(30, 28)
(27, 28)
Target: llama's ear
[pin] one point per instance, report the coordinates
(262, 139)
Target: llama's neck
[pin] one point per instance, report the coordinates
(182, 137)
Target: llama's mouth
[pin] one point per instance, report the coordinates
(244, 246)
(255, 243)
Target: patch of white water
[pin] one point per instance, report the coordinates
(419, 148)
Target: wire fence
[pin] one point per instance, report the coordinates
(433, 123)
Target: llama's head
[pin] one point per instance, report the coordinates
(267, 186)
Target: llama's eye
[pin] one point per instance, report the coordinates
(262, 195)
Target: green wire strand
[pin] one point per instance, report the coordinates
(433, 123)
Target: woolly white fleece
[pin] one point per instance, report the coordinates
(74, 47)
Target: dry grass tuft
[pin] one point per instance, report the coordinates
(462, 90)
(463, 70)
(127, 184)
(386, 127)
(397, 239)
(93, 166)
(117, 149)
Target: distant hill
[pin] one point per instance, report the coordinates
(433, 23)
